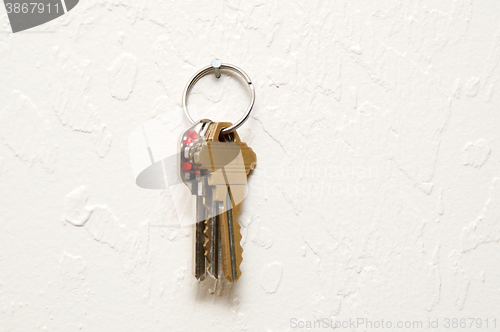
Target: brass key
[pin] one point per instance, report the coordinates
(226, 161)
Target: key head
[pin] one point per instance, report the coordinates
(226, 161)
(191, 140)
(221, 149)
(188, 140)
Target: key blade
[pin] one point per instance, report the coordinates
(211, 230)
(225, 247)
(199, 268)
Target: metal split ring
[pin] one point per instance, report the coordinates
(216, 67)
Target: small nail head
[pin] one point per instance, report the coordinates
(216, 63)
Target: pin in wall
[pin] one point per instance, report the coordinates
(216, 63)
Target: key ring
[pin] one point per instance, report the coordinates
(215, 67)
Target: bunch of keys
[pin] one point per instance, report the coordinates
(214, 164)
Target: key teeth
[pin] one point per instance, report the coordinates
(206, 244)
(239, 254)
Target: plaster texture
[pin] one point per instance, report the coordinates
(377, 188)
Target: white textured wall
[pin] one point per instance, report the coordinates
(377, 189)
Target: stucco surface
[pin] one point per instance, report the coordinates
(377, 188)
